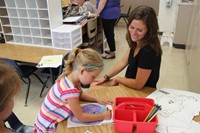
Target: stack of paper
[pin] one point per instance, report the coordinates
(178, 110)
(73, 19)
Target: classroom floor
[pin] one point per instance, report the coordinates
(173, 74)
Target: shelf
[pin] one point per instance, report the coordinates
(10, 3)
(27, 40)
(34, 23)
(18, 39)
(41, 4)
(35, 32)
(31, 4)
(14, 21)
(3, 12)
(44, 24)
(24, 22)
(26, 31)
(20, 3)
(46, 33)
(2, 3)
(37, 41)
(12, 12)
(9, 38)
(29, 21)
(32, 13)
(43, 14)
(16, 31)
(22, 13)
(47, 42)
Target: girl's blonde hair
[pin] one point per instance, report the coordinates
(78, 58)
(10, 84)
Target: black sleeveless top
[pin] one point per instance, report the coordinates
(145, 59)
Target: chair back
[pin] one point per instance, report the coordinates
(13, 64)
(92, 27)
(129, 10)
(16, 125)
(13, 121)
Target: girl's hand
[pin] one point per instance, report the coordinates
(107, 114)
(104, 102)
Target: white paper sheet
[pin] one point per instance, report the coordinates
(52, 61)
(178, 109)
(89, 108)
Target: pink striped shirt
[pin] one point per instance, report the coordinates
(55, 107)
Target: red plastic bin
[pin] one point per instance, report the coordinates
(129, 115)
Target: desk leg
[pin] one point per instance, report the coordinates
(52, 76)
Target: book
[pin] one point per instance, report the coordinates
(73, 19)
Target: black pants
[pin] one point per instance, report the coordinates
(108, 27)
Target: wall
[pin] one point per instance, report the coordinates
(125, 4)
(193, 49)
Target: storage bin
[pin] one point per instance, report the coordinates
(129, 115)
(67, 36)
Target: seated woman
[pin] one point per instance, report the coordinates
(143, 57)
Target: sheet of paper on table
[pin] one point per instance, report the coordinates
(178, 109)
(93, 108)
(52, 61)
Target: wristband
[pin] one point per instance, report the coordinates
(106, 77)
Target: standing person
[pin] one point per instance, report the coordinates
(143, 56)
(109, 11)
(10, 85)
(64, 97)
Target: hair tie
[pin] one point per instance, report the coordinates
(77, 51)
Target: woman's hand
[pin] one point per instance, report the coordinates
(114, 82)
(104, 101)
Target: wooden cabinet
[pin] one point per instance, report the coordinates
(193, 49)
(30, 21)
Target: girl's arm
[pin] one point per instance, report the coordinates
(76, 109)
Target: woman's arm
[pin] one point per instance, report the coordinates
(138, 83)
(120, 65)
(116, 69)
(101, 6)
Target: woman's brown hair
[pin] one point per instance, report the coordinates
(148, 16)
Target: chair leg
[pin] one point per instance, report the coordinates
(117, 21)
(27, 92)
(38, 78)
(45, 82)
(125, 19)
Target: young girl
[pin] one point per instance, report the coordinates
(10, 84)
(82, 66)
